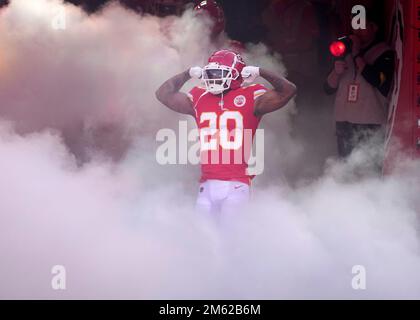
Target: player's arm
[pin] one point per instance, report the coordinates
(169, 94)
(283, 90)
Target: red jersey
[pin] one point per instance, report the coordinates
(227, 126)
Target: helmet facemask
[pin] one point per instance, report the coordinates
(217, 78)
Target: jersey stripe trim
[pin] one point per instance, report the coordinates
(259, 93)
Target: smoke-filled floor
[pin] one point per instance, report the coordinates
(81, 186)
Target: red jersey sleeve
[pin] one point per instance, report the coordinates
(258, 90)
(195, 94)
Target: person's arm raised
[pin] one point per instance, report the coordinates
(283, 90)
(169, 94)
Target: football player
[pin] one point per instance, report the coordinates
(224, 110)
(212, 10)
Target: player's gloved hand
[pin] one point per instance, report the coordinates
(196, 72)
(249, 73)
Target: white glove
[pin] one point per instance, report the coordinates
(249, 74)
(196, 72)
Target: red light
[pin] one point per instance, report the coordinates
(337, 48)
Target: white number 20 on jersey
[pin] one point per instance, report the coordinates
(207, 134)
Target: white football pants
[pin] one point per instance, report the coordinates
(222, 198)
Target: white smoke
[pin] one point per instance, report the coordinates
(126, 229)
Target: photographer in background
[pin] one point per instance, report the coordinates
(361, 82)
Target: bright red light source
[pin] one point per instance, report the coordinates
(337, 48)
